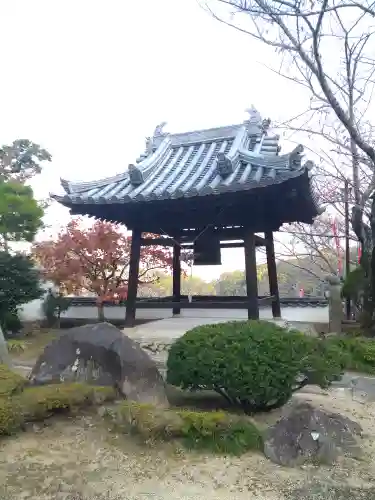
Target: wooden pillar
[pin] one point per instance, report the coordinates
(135, 253)
(272, 274)
(176, 276)
(251, 276)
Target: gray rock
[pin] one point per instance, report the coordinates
(100, 354)
(306, 328)
(308, 434)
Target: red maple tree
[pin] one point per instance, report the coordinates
(96, 260)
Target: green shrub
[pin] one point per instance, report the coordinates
(53, 305)
(20, 283)
(325, 362)
(11, 322)
(256, 365)
(359, 351)
(10, 382)
(217, 431)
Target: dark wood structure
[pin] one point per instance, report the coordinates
(228, 183)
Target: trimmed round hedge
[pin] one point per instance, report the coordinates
(253, 364)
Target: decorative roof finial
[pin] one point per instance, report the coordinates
(266, 123)
(159, 129)
(153, 142)
(254, 116)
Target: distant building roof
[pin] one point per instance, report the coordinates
(204, 162)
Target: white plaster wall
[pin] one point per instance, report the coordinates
(316, 314)
(33, 312)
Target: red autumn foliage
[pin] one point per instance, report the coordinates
(96, 260)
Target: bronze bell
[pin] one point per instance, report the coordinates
(207, 250)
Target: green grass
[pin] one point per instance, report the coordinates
(32, 345)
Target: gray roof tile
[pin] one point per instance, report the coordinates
(186, 165)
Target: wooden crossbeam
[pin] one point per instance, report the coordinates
(169, 242)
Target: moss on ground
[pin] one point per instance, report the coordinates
(38, 403)
(10, 382)
(216, 431)
(20, 404)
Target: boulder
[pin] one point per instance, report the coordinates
(308, 434)
(101, 354)
(306, 328)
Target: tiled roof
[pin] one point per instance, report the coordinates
(233, 158)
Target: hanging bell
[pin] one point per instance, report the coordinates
(207, 250)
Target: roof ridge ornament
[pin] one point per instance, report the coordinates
(158, 132)
(254, 122)
(153, 142)
(224, 165)
(135, 175)
(149, 149)
(66, 185)
(295, 157)
(266, 123)
(254, 116)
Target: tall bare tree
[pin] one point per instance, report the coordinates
(328, 47)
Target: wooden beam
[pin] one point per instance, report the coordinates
(168, 242)
(162, 241)
(259, 241)
(251, 276)
(225, 233)
(272, 275)
(231, 244)
(135, 254)
(187, 242)
(176, 285)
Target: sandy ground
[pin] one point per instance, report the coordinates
(79, 459)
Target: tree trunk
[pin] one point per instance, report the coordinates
(4, 354)
(101, 312)
(58, 319)
(366, 236)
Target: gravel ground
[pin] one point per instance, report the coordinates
(79, 459)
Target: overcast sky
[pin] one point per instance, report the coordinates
(89, 79)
